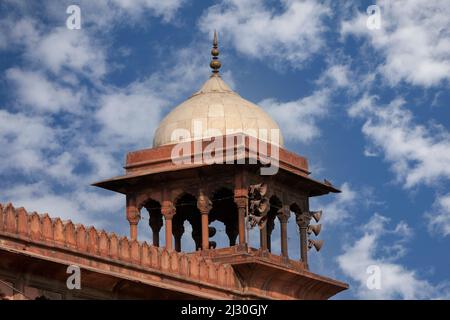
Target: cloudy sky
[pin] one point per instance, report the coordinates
(369, 108)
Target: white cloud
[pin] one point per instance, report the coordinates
(337, 74)
(298, 119)
(166, 8)
(414, 39)
(102, 15)
(293, 34)
(70, 49)
(439, 217)
(24, 139)
(417, 153)
(397, 281)
(57, 50)
(130, 116)
(34, 90)
(339, 209)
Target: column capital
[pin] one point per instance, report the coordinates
(168, 210)
(133, 214)
(284, 214)
(241, 201)
(204, 204)
(241, 193)
(303, 219)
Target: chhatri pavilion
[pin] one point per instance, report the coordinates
(216, 158)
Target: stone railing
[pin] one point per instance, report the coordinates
(89, 242)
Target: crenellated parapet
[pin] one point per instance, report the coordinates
(78, 244)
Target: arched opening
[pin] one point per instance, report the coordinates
(272, 232)
(187, 211)
(294, 232)
(224, 216)
(155, 220)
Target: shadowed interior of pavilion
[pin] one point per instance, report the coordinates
(223, 229)
(186, 224)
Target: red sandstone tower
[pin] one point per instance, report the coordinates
(220, 178)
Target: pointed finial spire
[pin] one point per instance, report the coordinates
(215, 63)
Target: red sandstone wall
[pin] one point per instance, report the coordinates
(90, 241)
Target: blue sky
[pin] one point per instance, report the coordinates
(368, 108)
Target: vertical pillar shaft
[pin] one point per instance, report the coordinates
(283, 215)
(133, 216)
(241, 200)
(133, 231)
(205, 233)
(242, 211)
(204, 205)
(303, 219)
(169, 233)
(168, 211)
(263, 238)
(284, 241)
(304, 245)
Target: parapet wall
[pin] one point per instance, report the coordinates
(97, 248)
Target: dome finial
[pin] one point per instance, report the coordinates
(215, 63)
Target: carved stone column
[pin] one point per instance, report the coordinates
(283, 215)
(168, 211)
(303, 219)
(242, 206)
(263, 238)
(133, 217)
(204, 205)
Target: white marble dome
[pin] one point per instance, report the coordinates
(215, 106)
